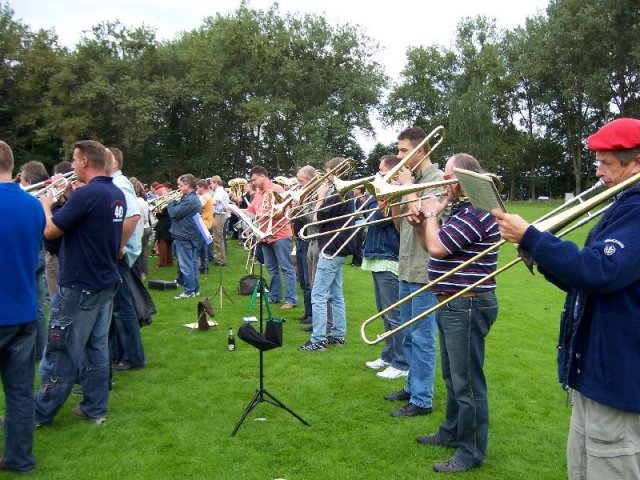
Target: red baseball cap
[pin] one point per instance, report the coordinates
(620, 134)
(159, 186)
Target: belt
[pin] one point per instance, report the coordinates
(443, 297)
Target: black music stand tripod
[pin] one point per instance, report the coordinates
(262, 395)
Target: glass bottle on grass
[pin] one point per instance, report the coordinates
(231, 341)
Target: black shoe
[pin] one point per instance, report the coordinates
(307, 329)
(453, 465)
(335, 341)
(306, 321)
(411, 410)
(431, 439)
(400, 396)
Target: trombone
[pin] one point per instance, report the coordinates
(298, 195)
(552, 222)
(381, 181)
(369, 212)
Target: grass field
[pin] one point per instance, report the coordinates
(174, 418)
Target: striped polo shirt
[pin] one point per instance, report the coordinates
(466, 232)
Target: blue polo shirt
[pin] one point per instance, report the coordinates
(21, 230)
(92, 224)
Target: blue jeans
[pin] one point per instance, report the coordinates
(277, 258)
(78, 339)
(385, 288)
(203, 256)
(187, 255)
(464, 323)
(17, 368)
(303, 277)
(126, 341)
(327, 286)
(419, 344)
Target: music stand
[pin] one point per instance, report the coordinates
(262, 395)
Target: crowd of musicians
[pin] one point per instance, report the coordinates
(423, 248)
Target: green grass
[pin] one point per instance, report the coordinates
(174, 418)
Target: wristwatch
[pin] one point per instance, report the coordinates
(430, 213)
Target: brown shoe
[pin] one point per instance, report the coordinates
(79, 413)
(286, 306)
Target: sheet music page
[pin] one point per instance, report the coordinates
(480, 190)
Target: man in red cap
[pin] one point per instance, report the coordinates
(599, 345)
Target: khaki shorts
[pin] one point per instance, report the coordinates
(604, 442)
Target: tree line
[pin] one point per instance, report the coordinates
(258, 86)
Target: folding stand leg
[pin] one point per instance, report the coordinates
(221, 290)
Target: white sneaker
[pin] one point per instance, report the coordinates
(376, 364)
(186, 295)
(392, 373)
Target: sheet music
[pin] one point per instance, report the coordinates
(480, 189)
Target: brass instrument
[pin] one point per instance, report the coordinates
(159, 203)
(236, 186)
(56, 187)
(552, 222)
(45, 183)
(345, 186)
(297, 196)
(367, 221)
(380, 181)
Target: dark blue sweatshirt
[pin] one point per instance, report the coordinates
(599, 344)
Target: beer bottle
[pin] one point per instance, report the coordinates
(231, 341)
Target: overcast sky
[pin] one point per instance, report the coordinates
(394, 26)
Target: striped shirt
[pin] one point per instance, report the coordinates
(467, 232)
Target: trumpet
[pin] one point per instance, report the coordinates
(56, 187)
(45, 183)
(160, 203)
(552, 222)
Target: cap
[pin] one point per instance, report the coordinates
(620, 134)
(159, 186)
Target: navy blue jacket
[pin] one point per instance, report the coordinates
(383, 239)
(599, 344)
(183, 227)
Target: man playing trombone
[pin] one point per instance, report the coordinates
(326, 291)
(420, 340)
(276, 249)
(466, 320)
(598, 354)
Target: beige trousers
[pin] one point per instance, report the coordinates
(604, 442)
(218, 240)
